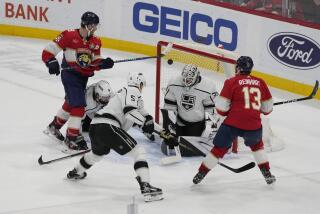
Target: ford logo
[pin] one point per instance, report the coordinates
(294, 50)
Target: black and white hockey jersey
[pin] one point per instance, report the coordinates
(124, 109)
(190, 103)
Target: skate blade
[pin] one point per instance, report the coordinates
(153, 197)
(65, 149)
(52, 137)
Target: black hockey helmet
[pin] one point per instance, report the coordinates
(89, 18)
(244, 64)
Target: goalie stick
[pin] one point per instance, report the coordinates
(313, 93)
(177, 158)
(41, 162)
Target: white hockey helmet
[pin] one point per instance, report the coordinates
(103, 92)
(136, 80)
(190, 75)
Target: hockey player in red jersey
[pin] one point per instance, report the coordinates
(242, 99)
(81, 58)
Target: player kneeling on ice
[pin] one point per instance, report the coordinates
(97, 95)
(108, 131)
(242, 99)
(188, 97)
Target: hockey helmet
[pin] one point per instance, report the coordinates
(103, 92)
(244, 64)
(190, 75)
(89, 18)
(136, 80)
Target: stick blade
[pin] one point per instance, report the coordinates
(247, 167)
(40, 161)
(315, 89)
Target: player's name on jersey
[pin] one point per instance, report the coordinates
(249, 82)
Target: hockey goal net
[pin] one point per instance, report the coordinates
(214, 63)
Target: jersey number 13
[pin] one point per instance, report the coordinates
(255, 93)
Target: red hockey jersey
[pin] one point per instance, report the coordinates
(78, 54)
(242, 99)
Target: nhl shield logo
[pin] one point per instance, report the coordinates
(188, 101)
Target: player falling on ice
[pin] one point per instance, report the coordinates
(108, 131)
(242, 99)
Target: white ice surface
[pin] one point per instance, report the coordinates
(30, 98)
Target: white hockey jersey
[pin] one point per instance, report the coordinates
(190, 103)
(123, 110)
(92, 105)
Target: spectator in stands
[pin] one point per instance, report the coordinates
(295, 10)
(311, 10)
(271, 6)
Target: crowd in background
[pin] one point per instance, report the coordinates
(307, 10)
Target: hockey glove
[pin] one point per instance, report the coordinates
(53, 66)
(106, 63)
(148, 126)
(169, 139)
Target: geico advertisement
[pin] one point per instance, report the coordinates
(174, 21)
(48, 14)
(278, 48)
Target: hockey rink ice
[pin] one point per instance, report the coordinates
(30, 97)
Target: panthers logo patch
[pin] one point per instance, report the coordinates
(84, 57)
(188, 101)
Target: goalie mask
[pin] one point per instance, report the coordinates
(136, 80)
(244, 64)
(102, 92)
(190, 75)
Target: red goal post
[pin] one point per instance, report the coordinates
(208, 58)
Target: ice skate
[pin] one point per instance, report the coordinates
(76, 142)
(270, 179)
(150, 193)
(53, 132)
(198, 177)
(74, 175)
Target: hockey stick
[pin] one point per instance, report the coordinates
(238, 170)
(41, 162)
(313, 93)
(202, 152)
(163, 53)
